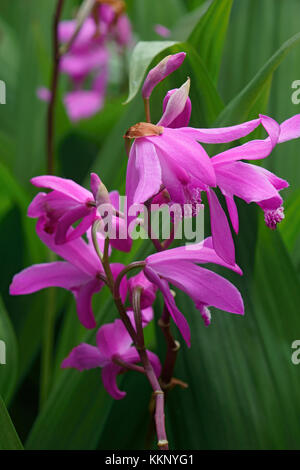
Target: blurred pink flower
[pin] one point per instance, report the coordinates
(162, 30)
(123, 31)
(44, 94)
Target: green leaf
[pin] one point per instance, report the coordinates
(9, 350)
(257, 29)
(186, 24)
(77, 407)
(238, 108)
(142, 56)
(145, 15)
(243, 387)
(290, 226)
(209, 35)
(9, 439)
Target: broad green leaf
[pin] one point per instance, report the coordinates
(77, 407)
(145, 15)
(187, 23)
(8, 355)
(13, 189)
(238, 108)
(257, 29)
(290, 227)
(243, 387)
(9, 439)
(30, 124)
(206, 101)
(209, 35)
(142, 56)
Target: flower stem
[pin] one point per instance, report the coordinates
(173, 347)
(110, 280)
(53, 89)
(127, 365)
(147, 109)
(157, 391)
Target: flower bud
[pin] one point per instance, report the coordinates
(148, 289)
(167, 66)
(99, 190)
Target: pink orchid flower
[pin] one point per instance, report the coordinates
(113, 344)
(68, 202)
(80, 273)
(174, 159)
(253, 183)
(178, 266)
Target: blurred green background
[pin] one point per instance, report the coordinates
(243, 387)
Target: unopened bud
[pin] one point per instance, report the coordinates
(99, 190)
(167, 66)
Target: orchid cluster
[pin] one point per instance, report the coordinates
(167, 164)
(86, 61)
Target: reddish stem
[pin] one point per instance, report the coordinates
(53, 89)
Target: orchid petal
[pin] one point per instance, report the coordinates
(41, 276)
(221, 135)
(149, 171)
(233, 212)
(221, 234)
(202, 252)
(109, 379)
(113, 339)
(84, 357)
(245, 181)
(83, 295)
(176, 105)
(69, 218)
(66, 186)
(252, 150)
(203, 286)
(183, 119)
(186, 153)
(290, 129)
(77, 252)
